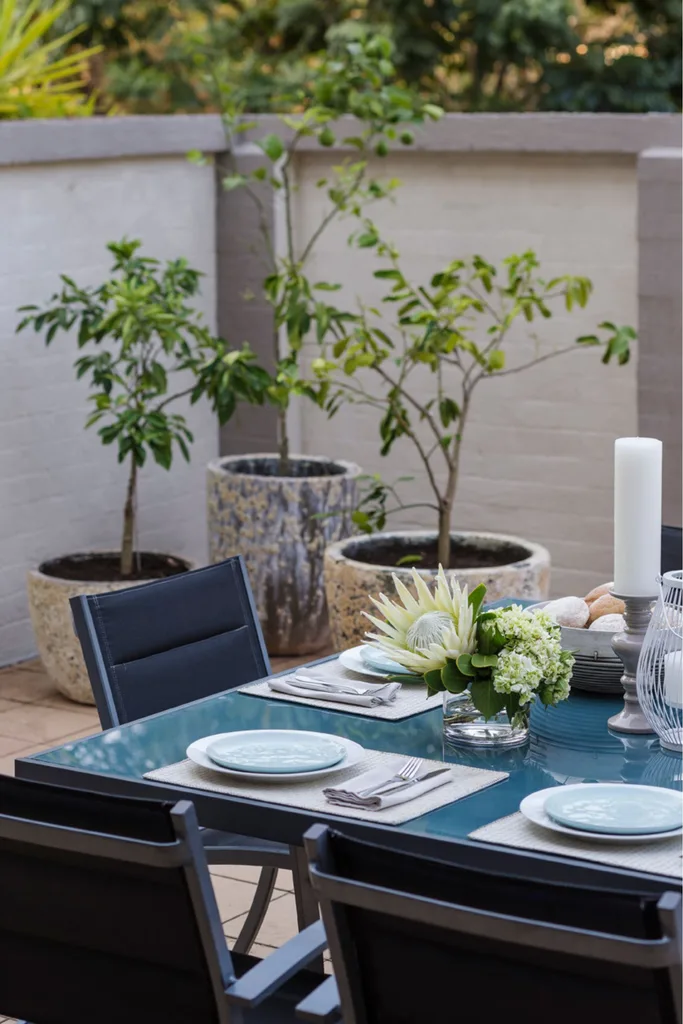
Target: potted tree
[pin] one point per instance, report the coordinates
(280, 510)
(145, 348)
(458, 327)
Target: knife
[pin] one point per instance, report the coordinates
(321, 684)
(383, 790)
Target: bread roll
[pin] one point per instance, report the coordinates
(609, 623)
(605, 605)
(597, 592)
(569, 611)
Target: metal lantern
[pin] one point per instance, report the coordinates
(660, 667)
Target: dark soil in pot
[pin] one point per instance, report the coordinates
(104, 567)
(298, 468)
(407, 551)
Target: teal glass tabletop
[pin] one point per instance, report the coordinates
(569, 743)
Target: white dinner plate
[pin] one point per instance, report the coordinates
(533, 809)
(353, 752)
(353, 661)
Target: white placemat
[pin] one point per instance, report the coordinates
(411, 699)
(663, 857)
(308, 795)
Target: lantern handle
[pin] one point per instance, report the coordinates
(666, 616)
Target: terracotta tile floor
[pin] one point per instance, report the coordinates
(34, 717)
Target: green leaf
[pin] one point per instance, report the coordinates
(433, 682)
(432, 111)
(448, 411)
(367, 239)
(195, 156)
(485, 698)
(484, 660)
(496, 360)
(476, 599)
(409, 560)
(232, 181)
(452, 679)
(588, 339)
(489, 640)
(464, 663)
(272, 146)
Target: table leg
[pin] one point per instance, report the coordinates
(307, 909)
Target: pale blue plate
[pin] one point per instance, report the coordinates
(376, 660)
(275, 751)
(619, 810)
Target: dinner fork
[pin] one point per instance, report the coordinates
(405, 773)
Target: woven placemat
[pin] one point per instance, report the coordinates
(308, 795)
(663, 857)
(411, 699)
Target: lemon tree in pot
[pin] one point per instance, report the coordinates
(144, 348)
(459, 327)
(280, 510)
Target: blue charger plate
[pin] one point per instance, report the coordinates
(614, 809)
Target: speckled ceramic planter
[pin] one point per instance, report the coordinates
(58, 645)
(281, 526)
(351, 573)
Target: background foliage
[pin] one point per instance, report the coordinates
(486, 55)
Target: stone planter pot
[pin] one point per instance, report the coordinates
(48, 599)
(281, 526)
(509, 566)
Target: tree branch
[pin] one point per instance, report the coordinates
(533, 362)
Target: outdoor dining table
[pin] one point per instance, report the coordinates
(569, 743)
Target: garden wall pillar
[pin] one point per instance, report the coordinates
(660, 329)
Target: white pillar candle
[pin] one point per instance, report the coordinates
(637, 515)
(673, 679)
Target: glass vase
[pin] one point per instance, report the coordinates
(465, 726)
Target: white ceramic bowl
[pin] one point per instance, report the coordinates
(596, 666)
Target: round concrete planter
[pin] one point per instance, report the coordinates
(281, 526)
(58, 645)
(352, 572)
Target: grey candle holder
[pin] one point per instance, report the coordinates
(627, 647)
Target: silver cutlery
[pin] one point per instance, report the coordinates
(321, 684)
(411, 782)
(405, 773)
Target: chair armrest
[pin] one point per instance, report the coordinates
(269, 975)
(322, 1005)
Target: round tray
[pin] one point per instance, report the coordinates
(597, 669)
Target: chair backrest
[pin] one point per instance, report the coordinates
(414, 939)
(107, 913)
(672, 548)
(162, 644)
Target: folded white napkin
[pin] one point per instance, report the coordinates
(382, 694)
(347, 795)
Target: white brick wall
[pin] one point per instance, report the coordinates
(60, 490)
(538, 454)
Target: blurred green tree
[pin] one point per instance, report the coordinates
(472, 55)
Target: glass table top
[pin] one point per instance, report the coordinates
(568, 743)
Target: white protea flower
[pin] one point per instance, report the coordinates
(425, 630)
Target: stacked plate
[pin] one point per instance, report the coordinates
(274, 755)
(607, 812)
(368, 661)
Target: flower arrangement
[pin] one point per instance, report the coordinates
(505, 657)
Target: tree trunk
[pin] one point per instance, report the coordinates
(283, 442)
(128, 538)
(448, 501)
(444, 547)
